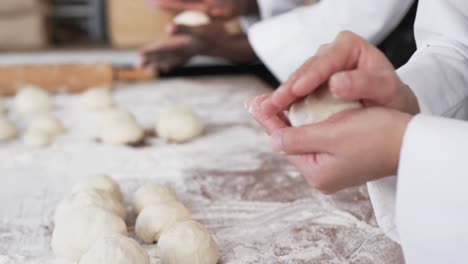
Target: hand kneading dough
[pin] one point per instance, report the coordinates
(101, 182)
(47, 123)
(37, 138)
(150, 194)
(32, 100)
(76, 233)
(192, 19)
(8, 129)
(89, 198)
(155, 219)
(116, 249)
(121, 127)
(98, 98)
(179, 124)
(188, 242)
(318, 107)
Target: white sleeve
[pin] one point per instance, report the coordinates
(286, 41)
(437, 73)
(432, 196)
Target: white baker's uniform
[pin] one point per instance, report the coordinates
(291, 32)
(425, 207)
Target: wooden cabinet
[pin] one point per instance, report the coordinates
(133, 23)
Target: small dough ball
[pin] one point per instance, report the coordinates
(318, 107)
(188, 242)
(3, 108)
(120, 127)
(32, 100)
(100, 182)
(156, 218)
(116, 249)
(98, 98)
(192, 18)
(179, 124)
(47, 123)
(76, 233)
(37, 138)
(8, 129)
(150, 194)
(89, 198)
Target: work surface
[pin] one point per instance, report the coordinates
(257, 206)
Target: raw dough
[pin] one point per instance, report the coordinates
(179, 124)
(120, 127)
(3, 108)
(37, 138)
(318, 106)
(89, 198)
(192, 18)
(77, 231)
(116, 249)
(8, 129)
(156, 218)
(188, 242)
(98, 98)
(100, 182)
(47, 123)
(32, 100)
(150, 194)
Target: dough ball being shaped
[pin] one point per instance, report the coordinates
(179, 124)
(98, 98)
(100, 182)
(192, 19)
(150, 194)
(116, 249)
(76, 233)
(89, 198)
(37, 138)
(47, 123)
(120, 127)
(32, 100)
(155, 219)
(188, 242)
(318, 107)
(8, 129)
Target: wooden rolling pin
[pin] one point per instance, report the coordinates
(71, 78)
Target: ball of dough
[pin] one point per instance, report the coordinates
(100, 182)
(32, 100)
(74, 234)
(3, 108)
(98, 98)
(47, 123)
(156, 218)
(318, 107)
(192, 18)
(188, 242)
(120, 127)
(89, 198)
(37, 138)
(8, 129)
(116, 249)
(179, 124)
(150, 194)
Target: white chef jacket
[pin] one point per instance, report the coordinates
(427, 202)
(284, 42)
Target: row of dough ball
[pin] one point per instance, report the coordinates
(90, 226)
(36, 103)
(162, 219)
(119, 126)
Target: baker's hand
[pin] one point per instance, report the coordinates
(354, 69)
(349, 149)
(223, 9)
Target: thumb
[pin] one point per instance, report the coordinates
(377, 87)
